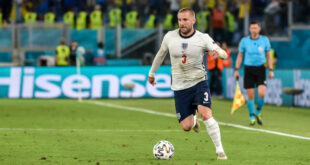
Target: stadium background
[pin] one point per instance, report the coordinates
(28, 40)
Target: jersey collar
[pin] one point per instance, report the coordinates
(254, 39)
(187, 36)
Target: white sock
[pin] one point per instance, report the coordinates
(213, 130)
(195, 120)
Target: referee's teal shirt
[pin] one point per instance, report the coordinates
(254, 50)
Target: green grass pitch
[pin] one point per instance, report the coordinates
(69, 132)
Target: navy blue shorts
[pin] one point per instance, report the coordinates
(187, 100)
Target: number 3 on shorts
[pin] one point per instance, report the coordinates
(206, 99)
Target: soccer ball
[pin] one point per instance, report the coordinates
(163, 150)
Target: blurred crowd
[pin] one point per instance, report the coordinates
(223, 19)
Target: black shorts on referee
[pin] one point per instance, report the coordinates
(254, 76)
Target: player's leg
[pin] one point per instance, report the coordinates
(189, 122)
(184, 109)
(196, 125)
(251, 104)
(203, 101)
(261, 95)
(213, 130)
(260, 103)
(260, 100)
(249, 84)
(261, 81)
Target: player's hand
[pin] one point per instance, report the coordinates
(270, 74)
(152, 80)
(213, 54)
(236, 75)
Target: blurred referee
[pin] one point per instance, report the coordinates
(255, 49)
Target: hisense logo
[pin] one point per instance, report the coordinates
(25, 83)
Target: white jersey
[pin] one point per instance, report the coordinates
(186, 55)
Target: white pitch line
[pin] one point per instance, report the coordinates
(265, 130)
(173, 115)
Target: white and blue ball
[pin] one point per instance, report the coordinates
(163, 150)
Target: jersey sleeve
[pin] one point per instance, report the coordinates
(211, 45)
(268, 46)
(160, 56)
(241, 46)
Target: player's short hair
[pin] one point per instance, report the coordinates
(254, 22)
(187, 10)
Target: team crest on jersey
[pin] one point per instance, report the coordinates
(184, 46)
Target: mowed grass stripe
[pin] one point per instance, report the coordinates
(86, 130)
(242, 146)
(115, 106)
(114, 130)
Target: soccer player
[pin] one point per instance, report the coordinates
(186, 47)
(255, 48)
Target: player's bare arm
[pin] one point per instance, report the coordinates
(238, 63)
(269, 64)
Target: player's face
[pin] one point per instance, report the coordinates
(254, 29)
(186, 22)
